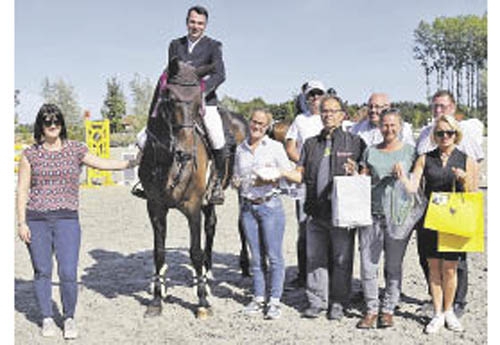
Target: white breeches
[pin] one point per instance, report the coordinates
(213, 124)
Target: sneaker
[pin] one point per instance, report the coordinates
(273, 312)
(336, 312)
(70, 330)
(48, 327)
(254, 307)
(436, 323)
(451, 321)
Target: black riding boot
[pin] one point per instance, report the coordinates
(217, 196)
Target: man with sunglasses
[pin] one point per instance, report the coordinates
(368, 129)
(443, 103)
(304, 126)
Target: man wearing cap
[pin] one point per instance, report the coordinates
(304, 126)
(368, 129)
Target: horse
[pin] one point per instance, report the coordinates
(173, 171)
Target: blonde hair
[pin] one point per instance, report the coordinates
(269, 115)
(450, 120)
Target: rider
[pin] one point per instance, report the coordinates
(197, 50)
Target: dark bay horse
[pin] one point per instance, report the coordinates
(173, 172)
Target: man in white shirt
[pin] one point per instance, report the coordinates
(368, 129)
(303, 127)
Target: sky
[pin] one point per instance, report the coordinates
(270, 48)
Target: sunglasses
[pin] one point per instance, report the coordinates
(440, 134)
(315, 93)
(52, 121)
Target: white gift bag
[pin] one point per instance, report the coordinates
(351, 201)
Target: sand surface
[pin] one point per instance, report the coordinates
(116, 266)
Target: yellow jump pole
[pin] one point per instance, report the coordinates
(97, 139)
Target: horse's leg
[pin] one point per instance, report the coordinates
(158, 217)
(210, 223)
(197, 258)
(244, 258)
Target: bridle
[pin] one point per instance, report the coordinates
(164, 110)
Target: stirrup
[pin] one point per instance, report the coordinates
(138, 191)
(217, 195)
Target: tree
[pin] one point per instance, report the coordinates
(63, 95)
(142, 94)
(455, 49)
(114, 108)
(16, 104)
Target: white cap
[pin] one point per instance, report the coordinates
(314, 85)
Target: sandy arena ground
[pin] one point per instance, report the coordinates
(116, 265)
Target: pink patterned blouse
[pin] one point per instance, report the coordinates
(55, 176)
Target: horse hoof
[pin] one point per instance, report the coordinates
(153, 311)
(203, 313)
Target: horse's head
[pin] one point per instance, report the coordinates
(177, 108)
(181, 96)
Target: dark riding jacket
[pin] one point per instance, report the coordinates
(344, 145)
(207, 51)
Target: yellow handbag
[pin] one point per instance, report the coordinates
(454, 243)
(459, 214)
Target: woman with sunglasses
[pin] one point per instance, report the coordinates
(47, 211)
(445, 169)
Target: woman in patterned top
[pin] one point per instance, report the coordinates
(47, 210)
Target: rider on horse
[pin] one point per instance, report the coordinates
(197, 50)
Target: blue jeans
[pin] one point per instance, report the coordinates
(52, 234)
(265, 224)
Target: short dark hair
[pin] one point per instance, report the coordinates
(198, 9)
(335, 98)
(48, 110)
(444, 93)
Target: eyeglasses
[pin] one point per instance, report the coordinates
(331, 111)
(438, 105)
(315, 93)
(52, 121)
(378, 107)
(440, 134)
(259, 124)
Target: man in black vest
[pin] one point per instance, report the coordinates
(330, 249)
(198, 49)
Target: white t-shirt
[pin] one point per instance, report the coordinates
(303, 127)
(371, 134)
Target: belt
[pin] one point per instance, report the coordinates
(259, 201)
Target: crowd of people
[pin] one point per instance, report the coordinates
(442, 159)
(319, 146)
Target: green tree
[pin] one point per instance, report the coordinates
(114, 108)
(63, 95)
(16, 104)
(142, 93)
